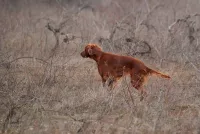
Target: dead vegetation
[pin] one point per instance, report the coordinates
(46, 87)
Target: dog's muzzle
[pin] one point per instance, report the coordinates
(83, 54)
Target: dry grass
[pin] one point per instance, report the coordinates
(46, 87)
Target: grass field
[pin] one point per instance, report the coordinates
(46, 87)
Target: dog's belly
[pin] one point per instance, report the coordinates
(119, 71)
(113, 68)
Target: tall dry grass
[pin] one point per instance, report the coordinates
(46, 87)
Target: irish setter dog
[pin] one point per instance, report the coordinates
(112, 67)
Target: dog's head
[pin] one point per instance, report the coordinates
(91, 51)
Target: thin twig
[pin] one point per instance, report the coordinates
(28, 57)
(8, 118)
(191, 63)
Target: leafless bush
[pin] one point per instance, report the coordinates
(45, 86)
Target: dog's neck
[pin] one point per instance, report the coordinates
(97, 56)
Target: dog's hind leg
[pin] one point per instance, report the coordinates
(137, 82)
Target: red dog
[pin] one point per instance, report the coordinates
(112, 66)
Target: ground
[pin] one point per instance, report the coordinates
(47, 87)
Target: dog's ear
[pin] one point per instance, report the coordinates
(90, 51)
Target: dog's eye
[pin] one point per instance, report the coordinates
(90, 52)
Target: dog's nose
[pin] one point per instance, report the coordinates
(83, 54)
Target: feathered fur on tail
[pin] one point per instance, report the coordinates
(151, 71)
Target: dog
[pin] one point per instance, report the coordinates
(112, 67)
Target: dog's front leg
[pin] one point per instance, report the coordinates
(103, 83)
(104, 77)
(112, 82)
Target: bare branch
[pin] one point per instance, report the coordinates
(185, 20)
(147, 4)
(118, 25)
(198, 70)
(9, 116)
(139, 42)
(43, 61)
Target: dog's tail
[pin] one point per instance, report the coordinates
(151, 71)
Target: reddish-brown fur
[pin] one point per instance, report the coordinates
(112, 67)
